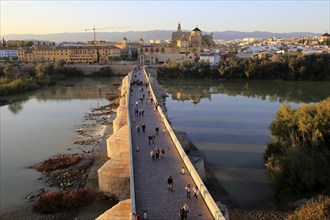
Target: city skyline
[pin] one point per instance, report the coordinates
(46, 17)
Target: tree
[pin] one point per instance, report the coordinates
(60, 64)
(11, 71)
(298, 159)
(104, 71)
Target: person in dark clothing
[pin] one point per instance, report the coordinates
(170, 183)
(182, 213)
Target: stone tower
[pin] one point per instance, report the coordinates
(196, 37)
(179, 28)
(124, 43)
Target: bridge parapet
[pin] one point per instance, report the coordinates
(211, 204)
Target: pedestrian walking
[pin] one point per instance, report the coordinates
(170, 183)
(157, 153)
(150, 139)
(157, 130)
(138, 128)
(143, 126)
(188, 189)
(186, 210)
(152, 154)
(153, 139)
(162, 152)
(182, 213)
(196, 192)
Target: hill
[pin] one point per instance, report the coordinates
(149, 35)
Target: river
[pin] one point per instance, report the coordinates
(40, 124)
(228, 123)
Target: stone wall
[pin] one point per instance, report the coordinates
(114, 175)
(88, 69)
(118, 212)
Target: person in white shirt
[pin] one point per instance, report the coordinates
(196, 192)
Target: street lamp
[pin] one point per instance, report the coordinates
(182, 170)
(145, 215)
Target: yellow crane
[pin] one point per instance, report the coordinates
(94, 29)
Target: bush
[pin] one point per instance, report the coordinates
(314, 209)
(59, 162)
(8, 87)
(104, 71)
(53, 202)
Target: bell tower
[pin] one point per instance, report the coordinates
(179, 28)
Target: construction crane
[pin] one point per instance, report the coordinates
(94, 29)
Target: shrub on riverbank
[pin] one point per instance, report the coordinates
(104, 71)
(53, 202)
(8, 87)
(298, 160)
(15, 78)
(59, 162)
(314, 209)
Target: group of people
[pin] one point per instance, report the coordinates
(143, 127)
(195, 191)
(157, 153)
(139, 112)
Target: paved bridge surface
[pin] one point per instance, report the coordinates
(151, 191)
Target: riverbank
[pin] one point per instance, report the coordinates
(90, 140)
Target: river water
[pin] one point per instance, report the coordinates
(228, 123)
(40, 124)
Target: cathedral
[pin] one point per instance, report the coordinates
(191, 39)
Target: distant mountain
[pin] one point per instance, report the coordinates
(231, 35)
(148, 35)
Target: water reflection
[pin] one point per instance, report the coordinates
(273, 91)
(83, 89)
(16, 106)
(228, 122)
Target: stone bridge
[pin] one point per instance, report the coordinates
(138, 181)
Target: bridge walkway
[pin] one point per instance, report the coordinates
(151, 192)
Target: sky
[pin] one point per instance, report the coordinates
(55, 16)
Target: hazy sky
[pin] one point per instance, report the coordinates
(53, 16)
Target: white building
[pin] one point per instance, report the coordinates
(8, 52)
(212, 58)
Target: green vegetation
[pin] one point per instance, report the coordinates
(14, 78)
(309, 67)
(298, 159)
(187, 70)
(53, 202)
